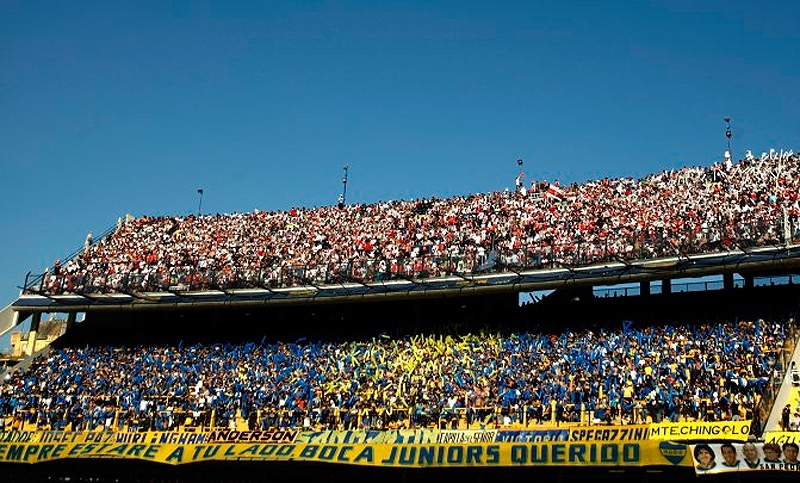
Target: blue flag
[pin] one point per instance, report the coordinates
(626, 326)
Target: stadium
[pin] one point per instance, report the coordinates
(655, 339)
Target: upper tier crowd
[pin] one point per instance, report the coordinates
(692, 210)
(707, 371)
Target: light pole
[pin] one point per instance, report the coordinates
(728, 134)
(343, 197)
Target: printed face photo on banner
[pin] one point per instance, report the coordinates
(705, 457)
(729, 457)
(790, 451)
(772, 453)
(749, 456)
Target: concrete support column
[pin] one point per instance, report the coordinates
(71, 320)
(748, 281)
(727, 281)
(34, 330)
(666, 286)
(644, 288)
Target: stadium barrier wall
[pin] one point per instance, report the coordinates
(606, 446)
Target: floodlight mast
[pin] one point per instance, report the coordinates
(343, 196)
(728, 134)
(200, 203)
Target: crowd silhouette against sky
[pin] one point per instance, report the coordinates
(725, 206)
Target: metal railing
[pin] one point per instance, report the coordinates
(37, 280)
(392, 417)
(498, 259)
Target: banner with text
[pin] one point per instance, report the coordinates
(781, 437)
(631, 432)
(367, 436)
(725, 430)
(644, 453)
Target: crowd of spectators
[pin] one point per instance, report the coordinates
(634, 374)
(725, 206)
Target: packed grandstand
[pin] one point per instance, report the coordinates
(698, 372)
(686, 381)
(725, 206)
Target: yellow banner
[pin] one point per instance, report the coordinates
(632, 432)
(728, 430)
(368, 436)
(645, 453)
(781, 437)
(272, 436)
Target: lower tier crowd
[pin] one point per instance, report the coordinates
(706, 371)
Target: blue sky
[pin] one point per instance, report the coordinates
(108, 108)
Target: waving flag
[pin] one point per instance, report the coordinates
(555, 192)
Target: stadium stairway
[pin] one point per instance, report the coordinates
(788, 386)
(8, 319)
